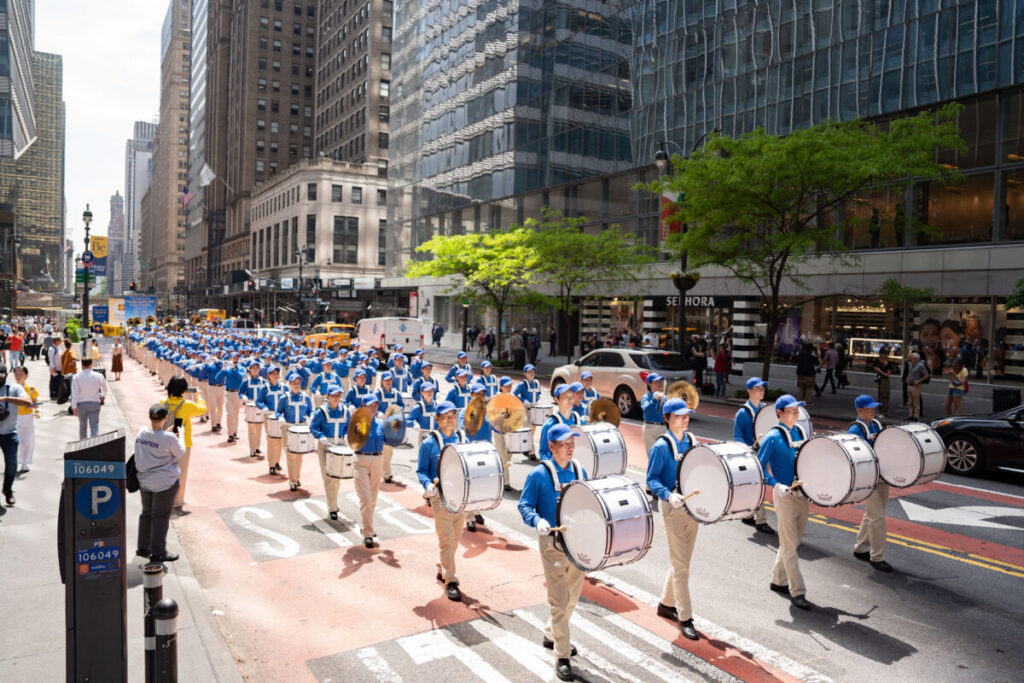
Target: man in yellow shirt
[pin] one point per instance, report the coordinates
(26, 421)
(182, 410)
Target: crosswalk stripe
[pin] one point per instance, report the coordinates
(436, 644)
(302, 506)
(530, 655)
(289, 547)
(623, 648)
(377, 666)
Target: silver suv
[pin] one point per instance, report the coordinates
(621, 374)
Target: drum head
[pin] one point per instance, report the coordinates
(702, 469)
(768, 418)
(899, 456)
(586, 533)
(453, 482)
(824, 468)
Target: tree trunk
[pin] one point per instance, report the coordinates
(905, 349)
(497, 333)
(772, 331)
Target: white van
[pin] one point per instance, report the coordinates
(383, 333)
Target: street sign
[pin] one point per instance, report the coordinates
(341, 282)
(97, 499)
(286, 283)
(86, 258)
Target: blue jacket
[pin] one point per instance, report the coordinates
(778, 457)
(528, 392)
(489, 381)
(450, 376)
(423, 414)
(295, 408)
(483, 434)
(233, 377)
(270, 395)
(403, 379)
(389, 398)
(539, 497)
(324, 380)
(651, 408)
(430, 453)
(419, 383)
(544, 451)
(416, 368)
(873, 427)
(459, 396)
(330, 424)
(743, 428)
(355, 394)
(250, 388)
(375, 442)
(662, 466)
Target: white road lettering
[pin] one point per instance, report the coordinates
(316, 518)
(968, 515)
(289, 547)
(376, 665)
(433, 645)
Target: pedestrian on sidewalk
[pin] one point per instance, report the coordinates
(552, 343)
(53, 364)
(957, 387)
(489, 340)
(830, 361)
(26, 421)
(117, 359)
(533, 346)
(806, 368)
(88, 392)
(883, 368)
(721, 370)
(157, 453)
(918, 374)
(10, 395)
(183, 410)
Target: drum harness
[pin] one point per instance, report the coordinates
(401, 379)
(275, 390)
(871, 437)
(439, 438)
(294, 405)
(676, 455)
(577, 470)
(532, 390)
(338, 438)
(248, 384)
(388, 400)
(752, 411)
(428, 414)
(789, 438)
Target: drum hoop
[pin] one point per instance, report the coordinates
(920, 457)
(465, 478)
(850, 465)
(607, 529)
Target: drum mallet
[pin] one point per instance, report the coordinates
(692, 493)
(559, 529)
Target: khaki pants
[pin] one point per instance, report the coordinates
(255, 433)
(791, 510)
(883, 394)
(651, 433)
(681, 530)
(759, 515)
(233, 404)
(331, 485)
(565, 582)
(914, 396)
(274, 448)
(215, 405)
(203, 390)
(294, 465)
(385, 455)
(499, 443)
(871, 535)
(804, 388)
(179, 497)
(369, 472)
(449, 529)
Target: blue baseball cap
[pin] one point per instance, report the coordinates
(587, 374)
(654, 377)
(485, 364)
(559, 390)
(576, 386)
(460, 354)
(755, 382)
(370, 399)
(398, 347)
(787, 400)
(476, 388)
(427, 386)
(560, 432)
(400, 357)
(419, 352)
(359, 373)
(386, 376)
(426, 364)
(676, 406)
(327, 361)
(445, 407)
(528, 367)
(294, 376)
(504, 381)
(866, 401)
(463, 373)
(333, 389)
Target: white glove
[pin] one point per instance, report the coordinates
(324, 441)
(675, 500)
(782, 488)
(543, 528)
(431, 490)
(658, 396)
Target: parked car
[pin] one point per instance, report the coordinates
(331, 333)
(975, 443)
(621, 374)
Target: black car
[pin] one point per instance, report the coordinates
(974, 443)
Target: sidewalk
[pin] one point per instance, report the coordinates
(33, 632)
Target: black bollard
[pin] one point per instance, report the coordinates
(166, 614)
(152, 593)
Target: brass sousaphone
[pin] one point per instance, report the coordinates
(684, 390)
(506, 413)
(604, 410)
(474, 418)
(359, 428)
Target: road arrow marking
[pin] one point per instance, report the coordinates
(970, 515)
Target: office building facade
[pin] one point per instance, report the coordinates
(138, 174)
(17, 90)
(195, 233)
(115, 245)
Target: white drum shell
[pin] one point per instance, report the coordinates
(539, 413)
(519, 441)
(601, 451)
(300, 439)
(768, 418)
(253, 413)
(729, 477)
(608, 522)
(471, 477)
(274, 428)
(909, 454)
(837, 469)
(340, 462)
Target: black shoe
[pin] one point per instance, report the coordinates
(479, 519)
(550, 644)
(765, 529)
(882, 566)
(166, 557)
(453, 592)
(9, 498)
(782, 590)
(440, 578)
(272, 471)
(865, 556)
(333, 515)
(564, 670)
(142, 552)
(254, 454)
(508, 487)
(259, 452)
(687, 629)
(749, 521)
(387, 479)
(666, 612)
(471, 525)
(800, 602)
(368, 542)
(293, 487)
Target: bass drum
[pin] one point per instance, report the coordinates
(909, 454)
(341, 462)
(608, 522)
(767, 418)
(729, 477)
(837, 469)
(601, 451)
(471, 477)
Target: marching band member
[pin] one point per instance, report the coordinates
(777, 454)
(504, 387)
(424, 413)
(538, 508)
(403, 379)
(359, 390)
(294, 408)
(387, 396)
(589, 392)
(215, 377)
(459, 394)
(650, 403)
(325, 379)
(416, 365)
(369, 471)
(680, 527)
(448, 526)
(395, 352)
(577, 401)
(870, 543)
(268, 398)
(233, 377)
(461, 363)
(341, 368)
(564, 397)
(249, 390)
(328, 427)
(485, 433)
(426, 367)
(489, 381)
(528, 391)
(743, 431)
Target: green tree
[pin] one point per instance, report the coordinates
(1016, 298)
(893, 291)
(763, 206)
(492, 268)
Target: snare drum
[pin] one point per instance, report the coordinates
(767, 418)
(340, 462)
(837, 469)
(601, 451)
(909, 454)
(253, 413)
(729, 477)
(608, 522)
(273, 427)
(519, 441)
(471, 477)
(539, 413)
(300, 439)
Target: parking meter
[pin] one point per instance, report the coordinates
(91, 547)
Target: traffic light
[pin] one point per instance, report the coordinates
(252, 285)
(131, 286)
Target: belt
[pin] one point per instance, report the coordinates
(653, 423)
(358, 453)
(233, 391)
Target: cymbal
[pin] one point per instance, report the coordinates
(686, 391)
(604, 410)
(506, 413)
(359, 428)
(474, 418)
(394, 429)
(392, 409)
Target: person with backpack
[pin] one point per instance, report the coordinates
(179, 421)
(157, 454)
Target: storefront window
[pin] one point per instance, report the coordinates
(876, 220)
(956, 213)
(1012, 215)
(966, 328)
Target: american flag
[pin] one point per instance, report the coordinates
(186, 195)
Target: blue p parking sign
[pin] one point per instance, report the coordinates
(98, 499)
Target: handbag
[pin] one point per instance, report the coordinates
(131, 475)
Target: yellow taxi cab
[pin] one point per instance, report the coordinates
(331, 333)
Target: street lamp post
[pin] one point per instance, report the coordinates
(300, 256)
(465, 323)
(87, 220)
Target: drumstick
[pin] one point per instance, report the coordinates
(796, 484)
(691, 493)
(560, 529)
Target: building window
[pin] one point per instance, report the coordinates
(259, 165)
(311, 192)
(277, 46)
(263, 43)
(276, 65)
(335, 193)
(382, 197)
(356, 195)
(311, 238)
(273, 150)
(346, 240)
(385, 33)
(382, 168)
(295, 109)
(261, 124)
(261, 104)
(382, 140)
(277, 25)
(385, 61)
(382, 240)
(385, 88)
(277, 244)
(260, 144)
(295, 236)
(273, 126)
(262, 63)
(384, 113)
